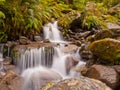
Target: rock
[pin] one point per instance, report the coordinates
(23, 40)
(11, 81)
(81, 68)
(117, 68)
(37, 38)
(105, 74)
(85, 34)
(113, 26)
(103, 34)
(71, 62)
(69, 48)
(106, 50)
(46, 41)
(1, 76)
(82, 83)
(7, 61)
(13, 68)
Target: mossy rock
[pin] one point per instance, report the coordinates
(107, 50)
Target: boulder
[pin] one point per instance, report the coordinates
(82, 83)
(106, 50)
(11, 81)
(105, 74)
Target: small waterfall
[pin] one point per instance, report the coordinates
(52, 33)
(34, 57)
(1, 57)
(47, 63)
(59, 61)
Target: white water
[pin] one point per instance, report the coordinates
(39, 65)
(52, 33)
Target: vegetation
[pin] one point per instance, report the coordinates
(106, 51)
(27, 17)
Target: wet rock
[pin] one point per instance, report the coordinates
(11, 81)
(105, 74)
(46, 41)
(24, 40)
(106, 50)
(71, 62)
(81, 68)
(83, 83)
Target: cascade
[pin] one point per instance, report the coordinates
(34, 57)
(1, 56)
(36, 64)
(52, 33)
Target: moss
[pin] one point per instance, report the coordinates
(106, 50)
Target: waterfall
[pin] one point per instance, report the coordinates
(47, 63)
(34, 57)
(52, 33)
(1, 57)
(38, 61)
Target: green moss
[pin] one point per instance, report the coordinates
(106, 50)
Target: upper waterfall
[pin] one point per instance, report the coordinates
(51, 32)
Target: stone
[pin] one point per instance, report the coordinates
(11, 81)
(105, 74)
(82, 83)
(117, 68)
(7, 61)
(46, 41)
(24, 40)
(70, 63)
(103, 34)
(69, 48)
(37, 38)
(11, 67)
(106, 50)
(113, 26)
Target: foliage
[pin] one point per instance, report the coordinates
(26, 17)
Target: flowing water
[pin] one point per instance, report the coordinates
(1, 57)
(52, 33)
(40, 65)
